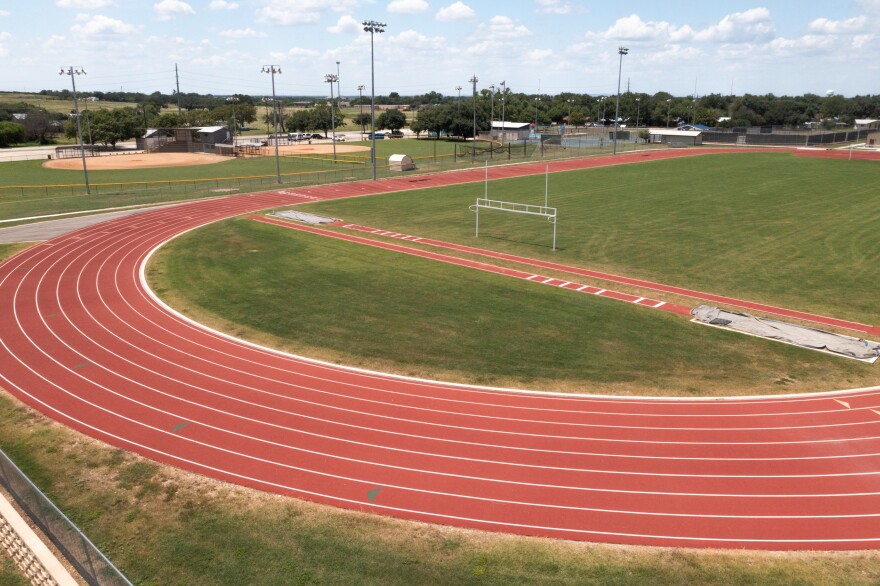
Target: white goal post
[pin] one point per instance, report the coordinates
(517, 208)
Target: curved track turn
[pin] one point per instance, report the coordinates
(85, 342)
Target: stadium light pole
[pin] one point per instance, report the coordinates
(338, 87)
(668, 107)
(603, 110)
(694, 114)
(361, 102)
(331, 79)
(638, 111)
(272, 70)
(503, 85)
(492, 113)
(622, 51)
(458, 102)
(474, 81)
(73, 72)
(372, 27)
(537, 99)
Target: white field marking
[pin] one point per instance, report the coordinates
(660, 304)
(600, 291)
(565, 284)
(417, 239)
(532, 277)
(277, 444)
(359, 503)
(547, 280)
(844, 403)
(582, 287)
(639, 300)
(701, 295)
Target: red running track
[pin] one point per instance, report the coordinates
(84, 341)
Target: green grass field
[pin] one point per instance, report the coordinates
(56, 104)
(803, 240)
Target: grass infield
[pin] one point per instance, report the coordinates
(807, 248)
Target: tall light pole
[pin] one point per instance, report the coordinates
(361, 102)
(668, 107)
(694, 114)
(603, 110)
(73, 72)
(599, 99)
(272, 70)
(622, 51)
(233, 100)
(458, 107)
(338, 87)
(503, 85)
(638, 111)
(331, 79)
(537, 99)
(371, 26)
(492, 113)
(473, 80)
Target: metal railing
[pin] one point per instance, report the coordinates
(92, 565)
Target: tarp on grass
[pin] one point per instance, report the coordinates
(304, 217)
(790, 333)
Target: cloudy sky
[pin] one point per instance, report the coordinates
(783, 47)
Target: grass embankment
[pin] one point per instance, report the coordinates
(376, 309)
(164, 526)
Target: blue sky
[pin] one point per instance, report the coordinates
(783, 47)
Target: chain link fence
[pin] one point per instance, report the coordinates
(82, 554)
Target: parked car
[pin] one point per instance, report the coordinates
(379, 135)
(316, 135)
(339, 138)
(395, 134)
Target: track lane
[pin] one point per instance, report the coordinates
(92, 348)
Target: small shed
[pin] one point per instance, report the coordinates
(400, 163)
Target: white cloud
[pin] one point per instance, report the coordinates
(102, 26)
(456, 11)
(297, 54)
(222, 5)
(415, 42)
(539, 55)
(751, 26)
(869, 5)
(84, 4)
(169, 9)
(559, 7)
(345, 24)
(839, 27)
(503, 26)
(4, 36)
(291, 12)
(246, 33)
(407, 6)
(5, 13)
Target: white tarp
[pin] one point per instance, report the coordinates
(304, 217)
(804, 336)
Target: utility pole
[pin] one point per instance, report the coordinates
(361, 102)
(503, 85)
(492, 114)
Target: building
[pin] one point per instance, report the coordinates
(509, 131)
(867, 124)
(672, 137)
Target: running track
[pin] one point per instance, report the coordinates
(84, 341)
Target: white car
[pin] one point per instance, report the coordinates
(339, 138)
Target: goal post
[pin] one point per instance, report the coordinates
(516, 208)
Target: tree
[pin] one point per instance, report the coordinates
(362, 120)
(321, 118)
(299, 121)
(112, 126)
(38, 125)
(645, 134)
(391, 119)
(10, 133)
(577, 118)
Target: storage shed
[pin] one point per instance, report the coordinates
(400, 163)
